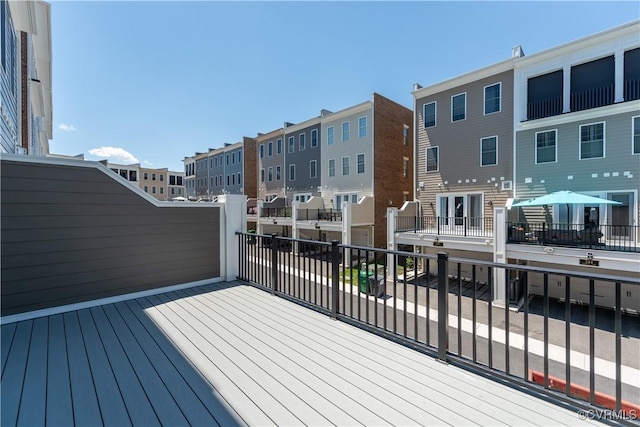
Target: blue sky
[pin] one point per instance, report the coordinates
(153, 82)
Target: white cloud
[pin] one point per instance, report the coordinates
(67, 128)
(116, 154)
(147, 163)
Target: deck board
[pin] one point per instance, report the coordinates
(8, 332)
(230, 354)
(59, 408)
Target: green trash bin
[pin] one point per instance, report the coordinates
(363, 283)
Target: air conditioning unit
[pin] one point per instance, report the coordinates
(21, 151)
(507, 185)
(421, 185)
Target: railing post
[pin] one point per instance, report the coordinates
(335, 279)
(274, 264)
(443, 306)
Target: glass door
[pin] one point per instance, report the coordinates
(620, 217)
(458, 202)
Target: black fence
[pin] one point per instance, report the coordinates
(332, 215)
(275, 212)
(410, 298)
(544, 108)
(592, 98)
(449, 226)
(620, 238)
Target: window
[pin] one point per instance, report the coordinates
(233, 179)
(173, 191)
(314, 138)
(162, 178)
(211, 182)
(313, 169)
(161, 190)
(270, 174)
(216, 181)
(432, 159)
(153, 177)
(261, 175)
(592, 141)
(215, 162)
(429, 114)
(489, 151)
(279, 146)
(635, 125)
(240, 155)
(239, 178)
(492, 98)
(277, 173)
(153, 190)
(362, 127)
(405, 167)
(179, 181)
(345, 165)
(262, 151)
(228, 181)
(146, 176)
(360, 166)
(330, 135)
(292, 172)
(332, 167)
(405, 134)
(146, 189)
(546, 148)
(291, 144)
(458, 107)
(345, 131)
(133, 176)
(270, 150)
(228, 155)
(172, 180)
(301, 141)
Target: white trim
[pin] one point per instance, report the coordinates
(465, 107)
(270, 174)
(4, 320)
(291, 142)
(489, 137)
(359, 108)
(269, 149)
(317, 139)
(261, 151)
(329, 168)
(484, 99)
(364, 163)
(435, 114)
(426, 160)
(302, 139)
(604, 140)
(535, 146)
(633, 129)
(333, 135)
(294, 172)
(348, 122)
(365, 126)
(279, 150)
(311, 175)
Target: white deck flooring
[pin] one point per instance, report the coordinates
(230, 354)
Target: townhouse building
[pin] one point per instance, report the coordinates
(341, 188)
(222, 170)
(161, 183)
(270, 148)
(25, 77)
(562, 119)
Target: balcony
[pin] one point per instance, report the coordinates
(330, 215)
(592, 98)
(446, 226)
(545, 108)
(632, 89)
(284, 212)
(618, 238)
(111, 317)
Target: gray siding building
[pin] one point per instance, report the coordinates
(303, 168)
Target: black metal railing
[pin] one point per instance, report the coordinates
(332, 215)
(632, 89)
(544, 108)
(275, 212)
(446, 226)
(592, 98)
(411, 297)
(620, 238)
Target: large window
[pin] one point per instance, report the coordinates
(546, 146)
(635, 125)
(314, 138)
(291, 144)
(262, 151)
(360, 163)
(270, 174)
(345, 131)
(279, 146)
(301, 141)
(429, 114)
(330, 135)
(270, 148)
(313, 169)
(592, 141)
(292, 172)
(345, 165)
(332, 167)
(261, 175)
(433, 159)
(489, 151)
(492, 98)
(362, 127)
(459, 107)
(277, 173)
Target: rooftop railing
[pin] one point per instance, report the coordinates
(446, 226)
(620, 238)
(450, 308)
(544, 108)
(275, 212)
(332, 215)
(632, 89)
(592, 98)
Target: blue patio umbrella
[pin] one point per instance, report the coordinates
(565, 197)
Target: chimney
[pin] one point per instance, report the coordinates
(324, 112)
(287, 124)
(416, 86)
(517, 52)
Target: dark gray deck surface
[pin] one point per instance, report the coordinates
(230, 354)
